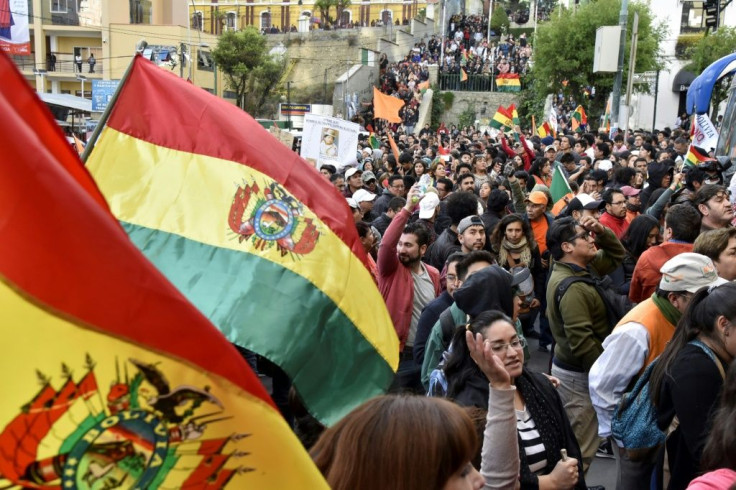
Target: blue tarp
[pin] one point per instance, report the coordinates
(700, 91)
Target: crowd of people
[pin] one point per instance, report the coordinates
(626, 282)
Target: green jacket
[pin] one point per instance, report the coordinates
(579, 323)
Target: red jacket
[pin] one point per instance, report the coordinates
(646, 274)
(617, 225)
(527, 157)
(395, 281)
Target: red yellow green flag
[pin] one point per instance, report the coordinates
(544, 130)
(508, 82)
(696, 156)
(386, 107)
(502, 118)
(250, 233)
(117, 380)
(579, 118)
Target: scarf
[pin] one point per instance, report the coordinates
(671, 313)
(521, 248)
(549, 426)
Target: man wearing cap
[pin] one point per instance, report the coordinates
(712, 201)
(579, 322)
(355, 209)
(353, 179)
(538, 218)
(395, 188)
(638, 339)
(369, 181)
(615, 215)
(633, 203)
(365, 201)
(471, 233)
(407, 286)
(681, 228)
(583, 205)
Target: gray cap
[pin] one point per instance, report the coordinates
(689, 272)
(469, 221)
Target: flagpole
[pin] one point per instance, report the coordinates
(106, 115)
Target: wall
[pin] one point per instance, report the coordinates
(476, 101)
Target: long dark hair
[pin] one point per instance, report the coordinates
(500, 231)
(699, 319)
(720, 448)
(636, 236)
(460, 366)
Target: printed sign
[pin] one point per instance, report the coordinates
(329, 140)
(14, 35)
(102, 92)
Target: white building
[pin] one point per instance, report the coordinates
(681, 18)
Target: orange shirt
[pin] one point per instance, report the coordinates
(539, 228)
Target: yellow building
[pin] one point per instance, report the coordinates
(75, 42)
(218, 16)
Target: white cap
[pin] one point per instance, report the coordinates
(351, 202)
(689, 272)
(428, 204)
(351, 171)
(605, 165)
(362, 195)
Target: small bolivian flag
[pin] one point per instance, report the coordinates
(111, 378)
(252, 234)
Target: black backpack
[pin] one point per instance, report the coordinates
(617, 305)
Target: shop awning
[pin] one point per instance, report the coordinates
(68, 101)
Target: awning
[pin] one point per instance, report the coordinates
(682, 80)
(68, 101)
(701, 89)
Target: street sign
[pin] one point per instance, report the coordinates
(102, 92)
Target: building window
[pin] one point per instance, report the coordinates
(386, 17)
(230, 21)
(60, 6)
(345, 17)
(197, 21)
(693, 17)
(265, 20)
(229, 94)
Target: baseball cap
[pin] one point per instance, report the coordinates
(427, 205)
(537, 197)
(605, 165)
(368, 176)
(351, 171)
(585, 201)
(469, 221)
(362, 195)
(351, 202)
(550, 147)
(629, 191)
(689, 272)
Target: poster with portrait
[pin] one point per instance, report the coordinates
(329, 140)
(14, 35)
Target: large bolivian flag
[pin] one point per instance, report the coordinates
(255, 237)
(111, 378)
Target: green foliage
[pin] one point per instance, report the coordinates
(467, 117)
(249, 70)
(448, 98)
(499, 20)
(685, 43)
(709, 49)
(438, 107)
(518, 31)
(564, 50)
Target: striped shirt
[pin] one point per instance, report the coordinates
(531, 441)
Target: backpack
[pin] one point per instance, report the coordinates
(634, 422)
(617, 305)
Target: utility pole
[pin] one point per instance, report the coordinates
(288, 104)
(443, 27)
(656, 93)
(616, 96)
(632, 67)
(345, 90)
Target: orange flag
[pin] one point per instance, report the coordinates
(78, 145)
(394, 148)
(463, 75)
(386, 107)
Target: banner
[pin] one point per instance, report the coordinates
(329, 140)
(14, 35)
(705, 135)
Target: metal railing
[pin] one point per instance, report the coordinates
(474, 83)
(64, 63)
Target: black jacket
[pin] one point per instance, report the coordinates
(445, 245)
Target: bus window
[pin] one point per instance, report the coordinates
(727, 141)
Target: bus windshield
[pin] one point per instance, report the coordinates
(727, 140)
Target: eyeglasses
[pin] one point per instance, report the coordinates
(619, 203)
(451, 278)
(583, 234)
(517, 344)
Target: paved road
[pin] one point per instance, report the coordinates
(602, 471)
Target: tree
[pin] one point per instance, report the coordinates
(324, 7)
(707, 50)
(564, 52)
(499, 20)
(249, 70)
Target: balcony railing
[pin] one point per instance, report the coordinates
(474, 83)
(63, 65)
